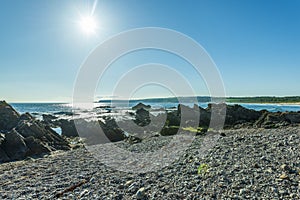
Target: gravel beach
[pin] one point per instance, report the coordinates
(244, 164)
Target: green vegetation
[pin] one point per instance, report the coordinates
(203, 169)
(294, 99)
(194, 130)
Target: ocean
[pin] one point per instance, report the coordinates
(55, 108)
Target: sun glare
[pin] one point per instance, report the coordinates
(88, 25)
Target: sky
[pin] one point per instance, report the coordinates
(255, 45)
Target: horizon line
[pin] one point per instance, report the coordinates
(149, 98)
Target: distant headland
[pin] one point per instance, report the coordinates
(206, 99)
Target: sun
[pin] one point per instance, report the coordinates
(88, 24)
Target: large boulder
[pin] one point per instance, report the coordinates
(14, 145)
(272, 120)
(68, 127)
(49, 119)
(36, 146)
(293, 117)
(204, 117)
(234, 114)
(142, 117)
(111, 129)
(168, 131)
(8, 117)
(173, 119)
(94, 132)
(3, 156)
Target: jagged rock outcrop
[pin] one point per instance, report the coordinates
(68, 128)
(94, 132)
(278, 119)
(14, 145)
(48, 119)
(140, 106)
(112, 131)
(8, 117)
(25, 136)
(237, 114)
(293, 117)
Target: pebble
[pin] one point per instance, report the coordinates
(83, 193)
(283, 176)
(140, 194)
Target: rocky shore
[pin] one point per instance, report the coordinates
(22, 136)
(245, 164)
(256, 156)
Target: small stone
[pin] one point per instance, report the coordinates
(133, 187)
(269, 170)
(281, 192)
(293, 195)
(256, 165)
(198, 188)
(283, 176)
(140, 194)
(128, 182)
(273, 189)
(84, 192)
(223, 134)
(263, 158)
(284, 167)
(242, 191)
(92, 180)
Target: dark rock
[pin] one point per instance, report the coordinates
(14, 145)
(36, 147)
(140, 106)
(272, 120)
(222, 134)
(105, 107)
(95, 132)
(173, 119)
(3, 156)
(112, 130)
(8, 117)
(26, 117)
(293, 117)
(68, 128)
(189, 117)
(237, 114)
(142, 117)
(204, 117)
(168, 131)
(27, 136)
(45, 134)
(48, 119)
(133, 139)
(30, 128)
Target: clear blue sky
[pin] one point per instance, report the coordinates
(254, 43)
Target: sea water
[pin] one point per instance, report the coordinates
(55, 108)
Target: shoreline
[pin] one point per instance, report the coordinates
(266, 103)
